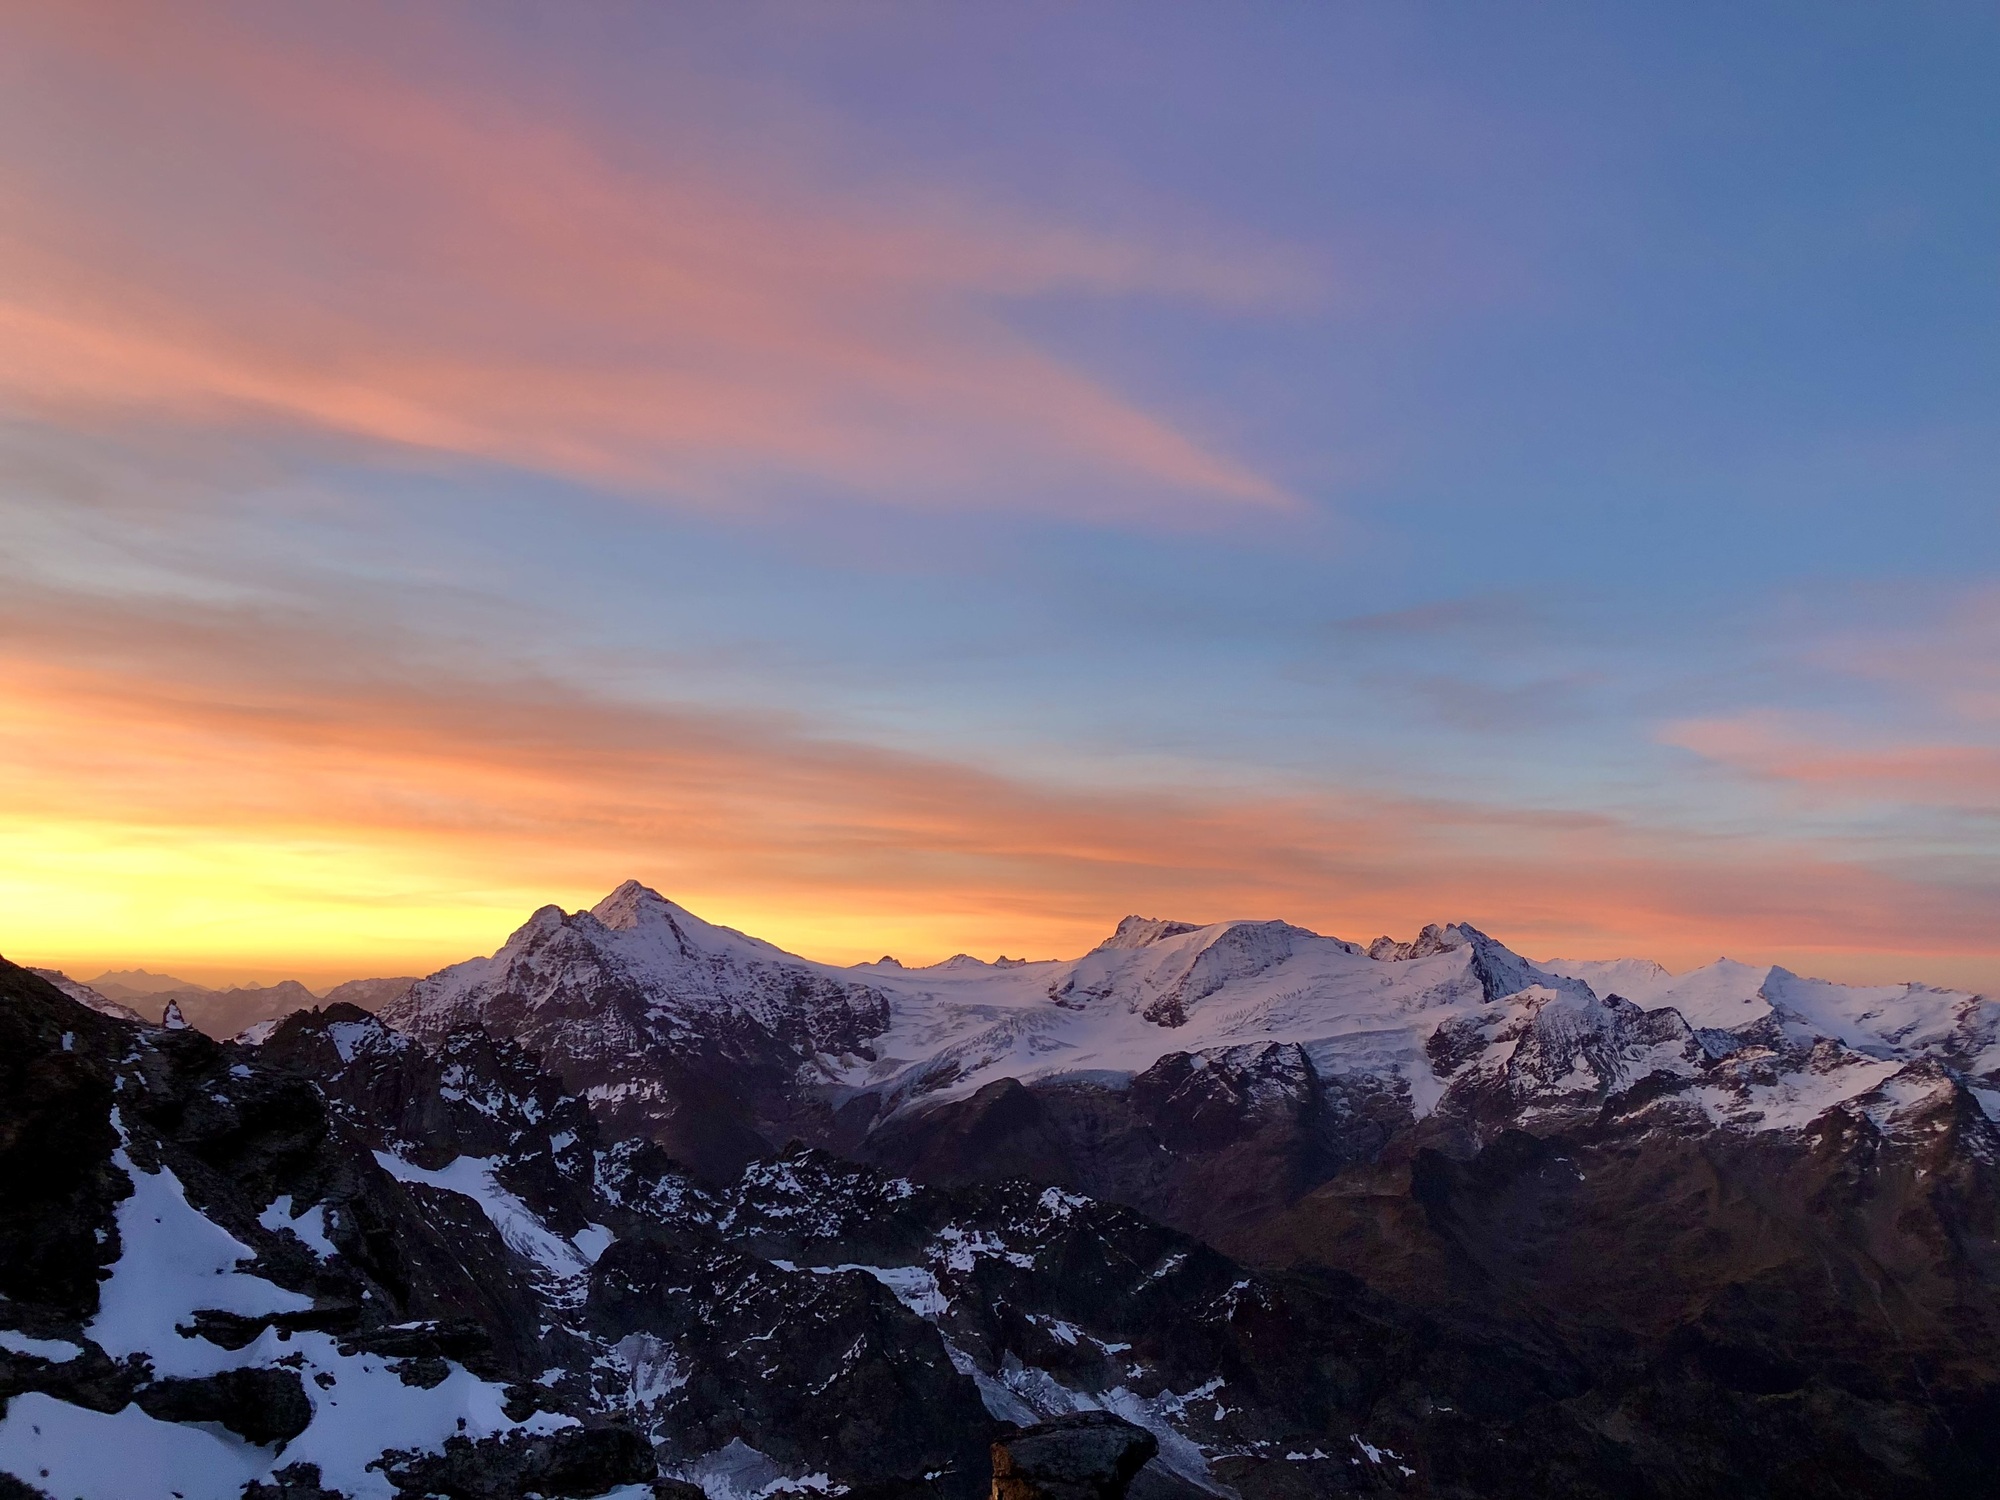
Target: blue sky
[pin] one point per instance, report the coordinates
(1360, 464)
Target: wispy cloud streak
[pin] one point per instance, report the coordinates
(1927, 740)
(1839, 760)
(426, 266)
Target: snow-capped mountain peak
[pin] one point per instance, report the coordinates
(634, 907)
(636, 990)
(632, 903)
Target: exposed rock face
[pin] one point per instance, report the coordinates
(1090, 1456)
(1208, 1142)
(833, 1372)
(468, 1095)
(188, 1239)
(57, 1182)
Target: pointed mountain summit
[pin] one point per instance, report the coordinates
(634, 907)
(638, 956)
(677, 1029)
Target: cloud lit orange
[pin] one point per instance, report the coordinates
(1827, 759)
(252, 786)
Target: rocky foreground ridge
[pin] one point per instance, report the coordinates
(641, 1203)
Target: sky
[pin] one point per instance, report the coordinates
(912, 478)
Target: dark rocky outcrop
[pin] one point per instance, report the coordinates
(58, 1188)
(1092, 1455)
(577, 1461)
(261, 1406)
(466, 1094)
(293, 1482)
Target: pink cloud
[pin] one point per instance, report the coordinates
(1952, 661)
(334, 246)
(1841, 760)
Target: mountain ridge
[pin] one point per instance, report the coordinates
(1419, 1217)
(887, 1039)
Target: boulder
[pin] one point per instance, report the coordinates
(1089, 1455)
(259, 1406)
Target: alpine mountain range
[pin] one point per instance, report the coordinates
(640, 1205)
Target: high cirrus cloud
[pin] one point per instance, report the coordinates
(209, 224)
(1842, 760)
(1924, 737)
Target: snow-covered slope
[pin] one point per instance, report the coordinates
(1638, 979)
(1887, 1022)
(1155, 988)
(206, 1288)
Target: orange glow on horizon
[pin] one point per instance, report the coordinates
(213, 792)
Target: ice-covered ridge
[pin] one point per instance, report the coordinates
(1164, 987)
(1888, 1021)
(1154, 987)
